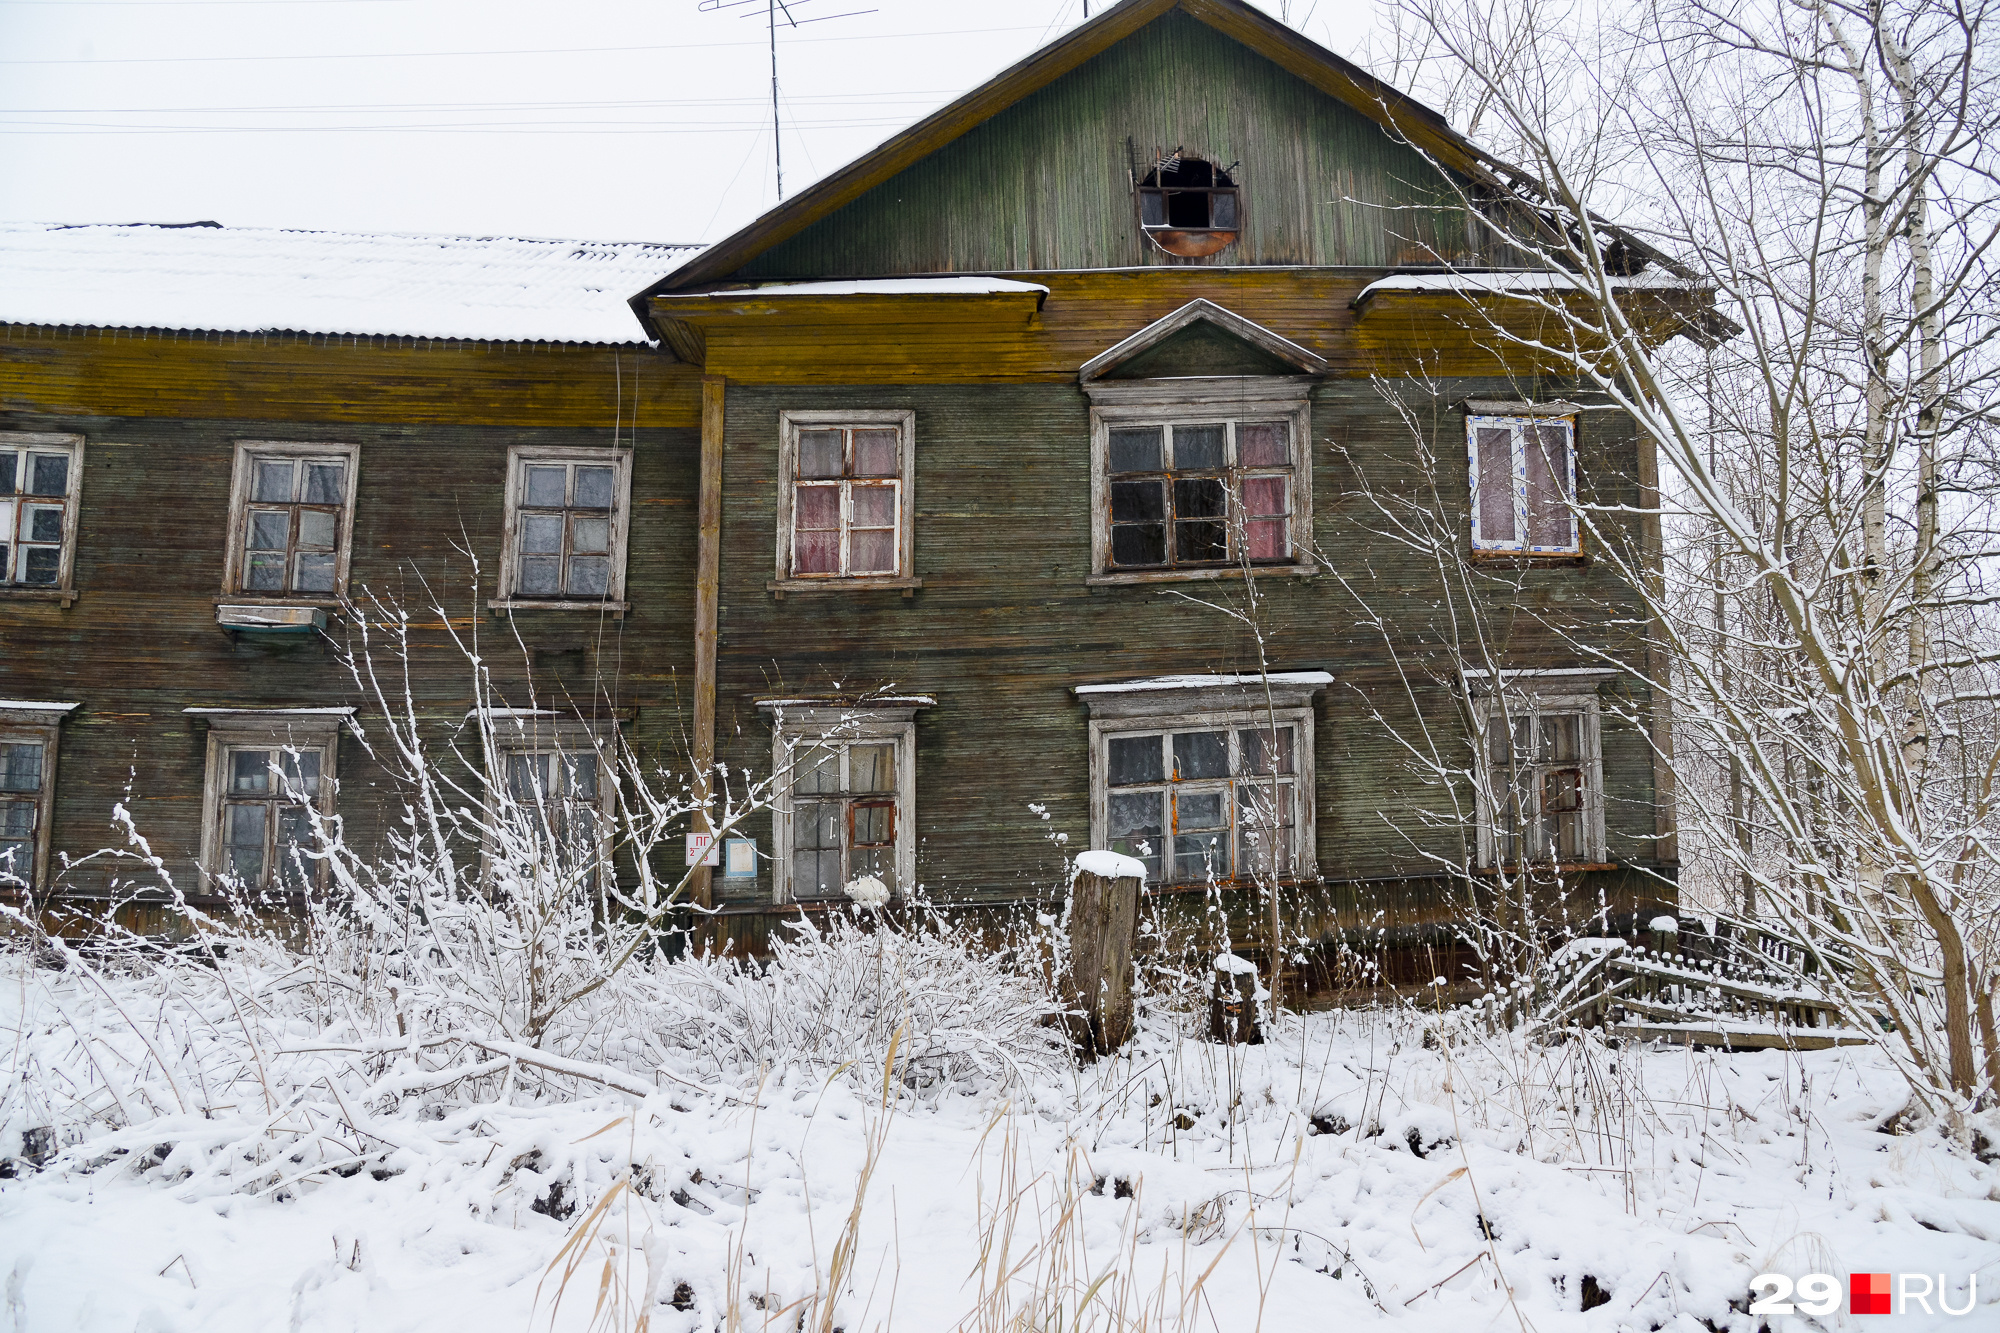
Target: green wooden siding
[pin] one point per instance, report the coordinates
(1047, 184)
(141, 642)
(1005, 626)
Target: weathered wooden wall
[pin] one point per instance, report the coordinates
(141, 643)
(1047, 183)
(1004, 626)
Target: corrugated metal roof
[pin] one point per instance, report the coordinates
(258, 279)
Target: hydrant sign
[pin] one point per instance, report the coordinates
(702, 850)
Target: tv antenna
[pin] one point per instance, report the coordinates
(773, 11)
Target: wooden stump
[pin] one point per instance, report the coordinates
(1232, 1002)
(1103, 928)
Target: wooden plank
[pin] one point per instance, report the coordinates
(707, 597)
(942, 340)
(1798, 1039)
(286, 377)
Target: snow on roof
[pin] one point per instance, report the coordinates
(257, 279)
(891, 287)
(1514, 281)
(35, 706)
(1208, 682)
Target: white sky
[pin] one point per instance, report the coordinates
(593, 119)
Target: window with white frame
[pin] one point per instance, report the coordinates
(1523, 472)
(41, 478)
(567, 514)
(844, 499)
(554, 780)
(270, 772)
(1195, 488)
(1541, 782)
(292, 519)
(847, 785)
(28, 735)
(1205, 783)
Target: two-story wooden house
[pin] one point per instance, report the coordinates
(1066, 446)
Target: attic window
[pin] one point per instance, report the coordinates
(1189, 206)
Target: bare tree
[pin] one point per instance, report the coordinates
(1809, 189)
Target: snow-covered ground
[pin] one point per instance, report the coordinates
(1348, 1172)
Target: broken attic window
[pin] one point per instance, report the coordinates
(1189, 206)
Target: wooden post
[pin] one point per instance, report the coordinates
(707, 599)
(1232, 1002)
(1103, 928)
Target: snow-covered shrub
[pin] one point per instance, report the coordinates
(833, 998)
(503, 948)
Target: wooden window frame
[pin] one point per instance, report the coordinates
(797, 732)
(512, 732)
(1181, 402)
(241, 488)
(519, 456)
(1526, 702)
(30, 723)
(230, 730)
(64, 588)
(790, 422)
(1517, 419)
(1178, 716)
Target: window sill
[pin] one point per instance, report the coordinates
(1566, 868)
(1299, 569)
(63, 595)
(251, 599)
(1533, 559)
(510, 605)
(779, 587)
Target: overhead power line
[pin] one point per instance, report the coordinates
(528, 51)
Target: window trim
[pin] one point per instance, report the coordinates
(518, 457)
(859, 723)
(789, 423)
(1211, 703)
(1515, 415)
(263, 728)
(1576, 695)
(1174, 402)
(239, 517)
(511, 731)
(64, 588)
(38, 723)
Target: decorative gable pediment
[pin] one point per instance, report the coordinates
(1201, 340)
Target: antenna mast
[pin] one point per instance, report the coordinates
(773, 10)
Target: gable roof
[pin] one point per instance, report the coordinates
(260, 279)
(1286, 48)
